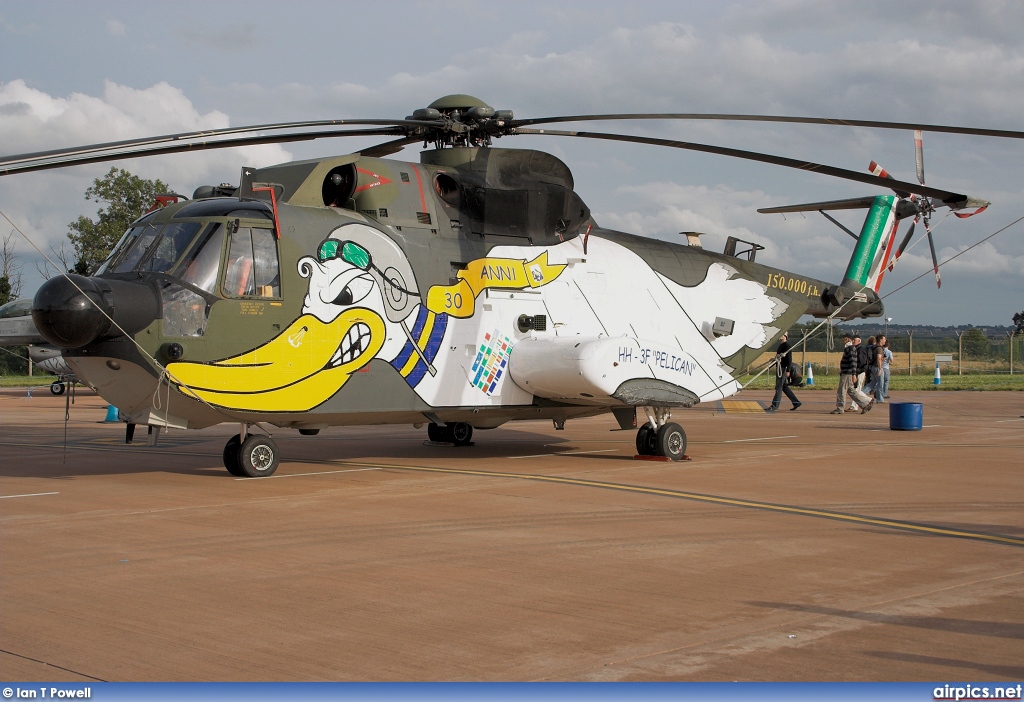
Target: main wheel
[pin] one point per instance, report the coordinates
(257, 456)
(57, 388)
(438, 433)
(461, 433)
(309, 432)
(671, 441)
(645, 437)
(231, 456)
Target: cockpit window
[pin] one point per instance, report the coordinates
(253, 269)
(201, 266)
(136, 244)
(174, 240)
(17, 308)
(119, 252)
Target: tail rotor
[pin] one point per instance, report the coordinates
(923, 206)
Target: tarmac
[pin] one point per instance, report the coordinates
(793, 546)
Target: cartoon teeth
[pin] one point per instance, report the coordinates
(352, 345)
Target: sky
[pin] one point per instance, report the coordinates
(75, 73)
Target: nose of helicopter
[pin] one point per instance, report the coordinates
(74, 311)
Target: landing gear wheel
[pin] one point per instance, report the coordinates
(309, 432)
(57, 388)
(437, 433)
(670, 441)
(461, 433)
(231, 456)
(645, 437)
(257, 456)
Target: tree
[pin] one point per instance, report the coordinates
(10, 271)
(127, 197)
(976, 344)
(1018, 322)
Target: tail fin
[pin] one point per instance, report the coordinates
(874, 246)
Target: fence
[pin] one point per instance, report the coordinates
(913, 355)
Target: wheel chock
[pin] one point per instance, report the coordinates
(638, 457)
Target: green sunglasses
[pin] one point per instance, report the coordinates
(352, 253)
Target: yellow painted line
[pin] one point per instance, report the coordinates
(741, 406)
(714, 499)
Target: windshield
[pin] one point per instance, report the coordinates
(174, 240)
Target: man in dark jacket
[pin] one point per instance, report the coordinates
(848, 379)
(783, 360)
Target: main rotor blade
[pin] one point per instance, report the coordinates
(952, 200)
(1005, 133)
(388, 147)
(853, 203)
(205, 134)
(178, 147)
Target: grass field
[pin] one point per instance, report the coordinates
(24, 381)
(974, 381)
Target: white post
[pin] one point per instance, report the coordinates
(960, 354)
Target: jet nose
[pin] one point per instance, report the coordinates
(74, 311)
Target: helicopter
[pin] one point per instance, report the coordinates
(464, 291)
(18, 329)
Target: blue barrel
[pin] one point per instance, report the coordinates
(906, 416)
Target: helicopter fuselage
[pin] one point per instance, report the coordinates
(473, 287)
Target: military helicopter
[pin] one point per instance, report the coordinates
(18, 329)
(462, 292)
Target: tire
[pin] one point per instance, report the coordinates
(437, 433)
(57, 388)
(461, 433)
(645, 436)
(231, 456)
(671, 441)
(309, 432)
(258, 456)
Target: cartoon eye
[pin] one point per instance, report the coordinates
(356, 290)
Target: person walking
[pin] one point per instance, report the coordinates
(783, 361)
(883, 389)
(858, 377)
(874, 386)
(848, 379)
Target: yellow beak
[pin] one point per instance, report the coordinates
(295, 371)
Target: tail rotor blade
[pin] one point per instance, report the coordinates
(903, 244)
(919, 153)
(935, 260)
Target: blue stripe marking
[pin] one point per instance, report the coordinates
(436, 336)
(418, 371)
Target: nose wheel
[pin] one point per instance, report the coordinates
(255, 457)
(668, 441)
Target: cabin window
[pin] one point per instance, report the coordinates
(253, 269)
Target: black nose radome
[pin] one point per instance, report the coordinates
(75, 311)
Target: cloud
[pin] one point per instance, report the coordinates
(116, 28)
(936, 61)
(43, 203)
